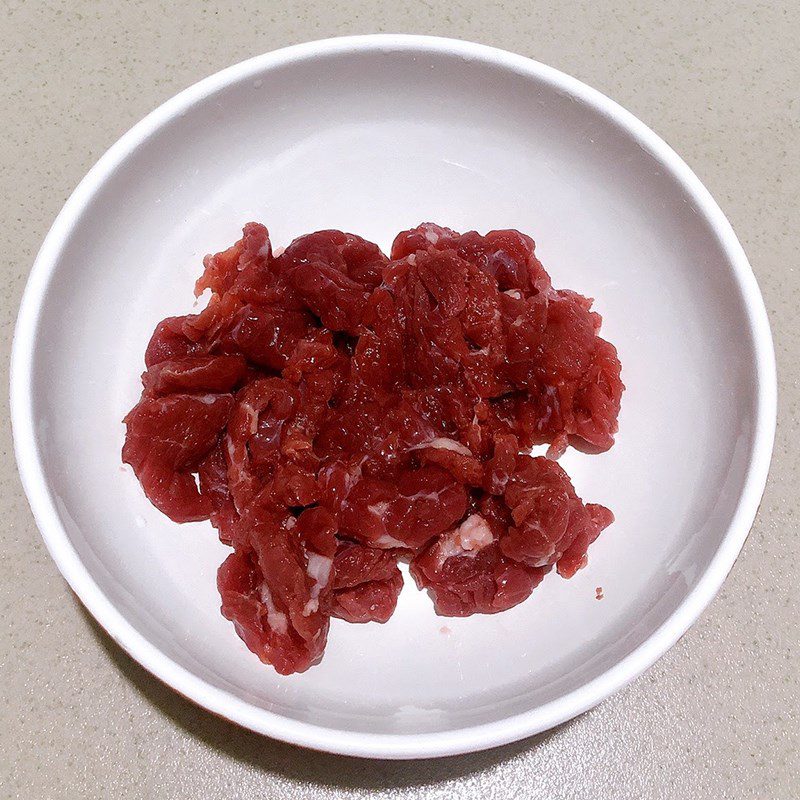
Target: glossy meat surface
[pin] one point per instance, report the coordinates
(334, 412)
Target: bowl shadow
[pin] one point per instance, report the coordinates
(297, 763)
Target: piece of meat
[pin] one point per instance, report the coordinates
(506, 255)
(407, 513)
(195, 373)
(453, 456)
(253, 436)
(509, 257)
(465, 572)
(597, 399)
(370, 601)
(424, 237)
(221, 270)
(169, 342)
(273, 589)
(265, 462)
(213, 479)
(333, 272)
(366, 583)
(588, 527)
(449, 326)
(498, 469)
(167, 438)
(568, 377)
(356, 258)
(551, 525)
(379, 358)
(384, 435)
(319, 370)
(267, 335)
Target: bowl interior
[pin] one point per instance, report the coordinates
(374, 140)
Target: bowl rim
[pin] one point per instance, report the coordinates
(380, 745)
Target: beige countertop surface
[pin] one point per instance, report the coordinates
(719, 715)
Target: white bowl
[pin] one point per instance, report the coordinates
(374, 134)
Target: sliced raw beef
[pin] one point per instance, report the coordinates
(333, 411)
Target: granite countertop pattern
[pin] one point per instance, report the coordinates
(718, 716)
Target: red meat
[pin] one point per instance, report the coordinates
(407, 513)
(333, 272)
(466, 572)
(169, 342)
(551, 525)
(274, 585)
(167, 439)
(366, 583)
(332, 411)
(213, 479)
(195, 373)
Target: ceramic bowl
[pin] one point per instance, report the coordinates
(372, 135)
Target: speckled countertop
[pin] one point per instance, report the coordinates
(719, 715)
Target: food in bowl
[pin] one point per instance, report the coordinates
(334, 412)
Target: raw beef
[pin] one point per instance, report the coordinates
(366, 583)
(334, 412)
